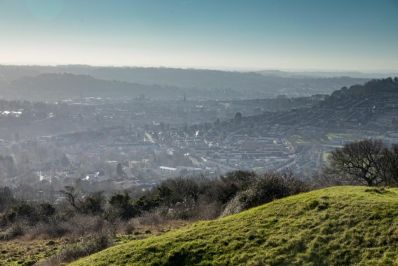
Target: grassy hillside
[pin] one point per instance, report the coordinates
(333, 226)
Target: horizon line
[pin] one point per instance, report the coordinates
(225, 69)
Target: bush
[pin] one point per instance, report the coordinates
(46, 210)
(81, 225)
(265, 188)
(92, 204)
(12, 232)
(179, 190)
(22, 212)
(151, 219)
(202, 198)
(49, 230)
(174, 199)
(84, 248)
(121, 207)
(226, 187)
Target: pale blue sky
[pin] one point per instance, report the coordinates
(232, 34)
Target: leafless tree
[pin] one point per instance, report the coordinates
(360, 162)
(71, 196)
(390, 163)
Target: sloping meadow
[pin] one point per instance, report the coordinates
(332, 226)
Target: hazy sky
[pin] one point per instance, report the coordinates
(234, 34)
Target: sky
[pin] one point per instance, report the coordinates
(358, 35)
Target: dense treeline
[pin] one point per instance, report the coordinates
(174, 199)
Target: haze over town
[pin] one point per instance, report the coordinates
(122, 120)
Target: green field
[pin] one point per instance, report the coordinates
(28, 252)
(333, 226)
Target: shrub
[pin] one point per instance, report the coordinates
(92, 204)
(151, 218)
(12, 232)
(81, 249)
(226, 187)
(80, 225)
(179, 198)
(121, 207)
(266, 188)
(53, 229)
(22, 211)
(46, 210)
(178, 190)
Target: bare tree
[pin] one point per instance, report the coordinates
(360, 162)
(390, 163)
(71, 196)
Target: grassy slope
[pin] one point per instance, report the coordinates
(333, 226)
(28, 252)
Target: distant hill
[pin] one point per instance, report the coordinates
(332, 226)
(60, 86)
(52, 86)
(372, 105)
(221, 84)
(326, 74)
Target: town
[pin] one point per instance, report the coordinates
(109, 145)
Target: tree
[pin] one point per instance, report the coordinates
(71, 196)
(89, 204)
(390, 163)
(122, 207)
(360, 162)
(178, 190)
(93, 203)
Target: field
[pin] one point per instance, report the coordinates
(26, 252)
(332, 226)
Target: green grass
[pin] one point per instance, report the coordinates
(28, 252)
(333, 226)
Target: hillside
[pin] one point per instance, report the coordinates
(333, 226)
(164, 81)
(60, 86)
(372, 105)
(50, 86)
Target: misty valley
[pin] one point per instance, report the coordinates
(102, 141)
(198, 132)
(88, 163)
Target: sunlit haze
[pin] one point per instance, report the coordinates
(223, 34)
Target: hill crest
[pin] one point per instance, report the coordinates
(332, 226)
